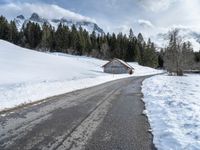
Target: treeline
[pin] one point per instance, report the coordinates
(197, 56)
(80, 42)
(197, 60)
(178, 56)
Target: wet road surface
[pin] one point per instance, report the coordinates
(104, 117)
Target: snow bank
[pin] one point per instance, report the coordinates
(27, 75)
(173, 110)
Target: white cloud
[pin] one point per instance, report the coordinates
(156, 5)
(149, 17)
(145, 23)
(50, 11)
(123, 28)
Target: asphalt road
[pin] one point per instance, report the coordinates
(104, 117)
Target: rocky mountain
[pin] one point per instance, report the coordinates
(89, 26)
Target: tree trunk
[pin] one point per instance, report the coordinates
(180, 72)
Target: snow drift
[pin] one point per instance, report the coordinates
(173, 110)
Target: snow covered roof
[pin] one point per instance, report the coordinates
(121, 61)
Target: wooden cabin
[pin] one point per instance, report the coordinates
(117, 66)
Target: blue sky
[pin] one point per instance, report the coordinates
(147, 16)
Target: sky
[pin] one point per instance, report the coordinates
(146, 16)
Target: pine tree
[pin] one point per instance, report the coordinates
(187, 55)
(46, 37)
(94, 40)
(130, 52)
(105, 49)
(33, 35)
(62, 38)
(88, 43)
(131, 35)
(80, 47)
(140, 38)
(118, 46)
(161, 59)
(150, 57)
(142, 46)
(197, 56)
(13, 33)
(74, 38)
(113, 45)
(137, 54)
(4, 28)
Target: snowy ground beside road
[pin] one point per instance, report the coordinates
(173, 109)
(28, 76)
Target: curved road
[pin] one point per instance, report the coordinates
(104, 117)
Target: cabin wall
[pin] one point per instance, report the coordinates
(116, 67)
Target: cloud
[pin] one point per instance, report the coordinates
(50, 11)
(156, 5)
(123, 28)
(145, 23)
(150, 17)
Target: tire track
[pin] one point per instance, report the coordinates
(79, 135)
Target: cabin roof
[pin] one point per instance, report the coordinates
(120, 61)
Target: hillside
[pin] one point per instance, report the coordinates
(24, 71)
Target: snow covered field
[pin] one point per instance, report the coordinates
(28, 76)
(173, 109)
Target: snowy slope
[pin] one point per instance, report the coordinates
(28, 75)
(173, 109)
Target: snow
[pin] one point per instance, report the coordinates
(90, 26)
(28, 76)
(173, 109)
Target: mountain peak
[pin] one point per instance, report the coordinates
(88, 26)
(35, 17)
(21, 17)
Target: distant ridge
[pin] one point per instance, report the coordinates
(87, 25)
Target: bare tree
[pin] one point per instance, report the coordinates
(178, 54)
(105, 51)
